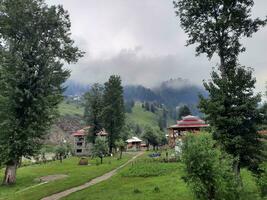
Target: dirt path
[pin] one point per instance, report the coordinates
(90, 183)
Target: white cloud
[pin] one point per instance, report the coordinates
(141, 40)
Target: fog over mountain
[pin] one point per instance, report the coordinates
(143, 43)
(172, 93)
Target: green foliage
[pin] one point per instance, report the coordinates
(208, 171)
(156, 189)
(113, 112)
(183, 111)
(137, 191)
(216, 26)
(128, 105)
(121, 145)
(148, 169)
(262, 182)
(35, 41)
(100, 147)
(93, 112)
(61, 151)
(232, 109)
(154, 136)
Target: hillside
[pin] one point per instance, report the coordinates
(70, 109)
(70, 119)
(141, 117)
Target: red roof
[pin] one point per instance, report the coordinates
(190, 122)
(81, 132)
(263, 132)
(84, 132)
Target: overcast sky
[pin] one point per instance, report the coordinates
(141, 40)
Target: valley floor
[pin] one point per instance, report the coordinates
(28, 187)
(144, 179)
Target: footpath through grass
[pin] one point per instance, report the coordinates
(149, 179)
(27, 188)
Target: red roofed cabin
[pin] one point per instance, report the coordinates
(187, 124)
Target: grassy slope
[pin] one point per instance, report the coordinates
(171, 187)
(142, 117)
(77, 176)
(70, 109)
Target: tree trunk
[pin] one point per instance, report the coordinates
(10, 173)
(121, 154)
(101, 158)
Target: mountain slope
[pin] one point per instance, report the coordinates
(141, 117)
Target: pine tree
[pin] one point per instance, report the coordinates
(113, 111)
(35, 41)
(93, 110)
(183, 111)
(217, 27)
(232, 109)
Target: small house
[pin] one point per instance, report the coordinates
(134, 144)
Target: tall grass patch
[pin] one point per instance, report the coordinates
(149, 169)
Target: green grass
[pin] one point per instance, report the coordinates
(157, 186)
(70, 109)
(167, 185)
(142, 117)
(77, 175)
(148, 169)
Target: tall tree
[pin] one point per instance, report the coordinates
(35, 41)
(232, 109)
(113, 112)
(217, 27)
(93, 110)
(183, 111)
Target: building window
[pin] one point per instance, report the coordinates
(79, 151)
(81, 139)
(79, 143)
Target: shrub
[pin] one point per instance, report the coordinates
(137, 191)
(262, 181)
(208, 170)
(156, 189)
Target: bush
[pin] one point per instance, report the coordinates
(208, 170)
(137, 191)
(262, 181)
(156, 189)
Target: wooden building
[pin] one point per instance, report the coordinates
(134, 144)
(187, 124)
(81, 146)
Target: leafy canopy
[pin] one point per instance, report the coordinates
(35, 41)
